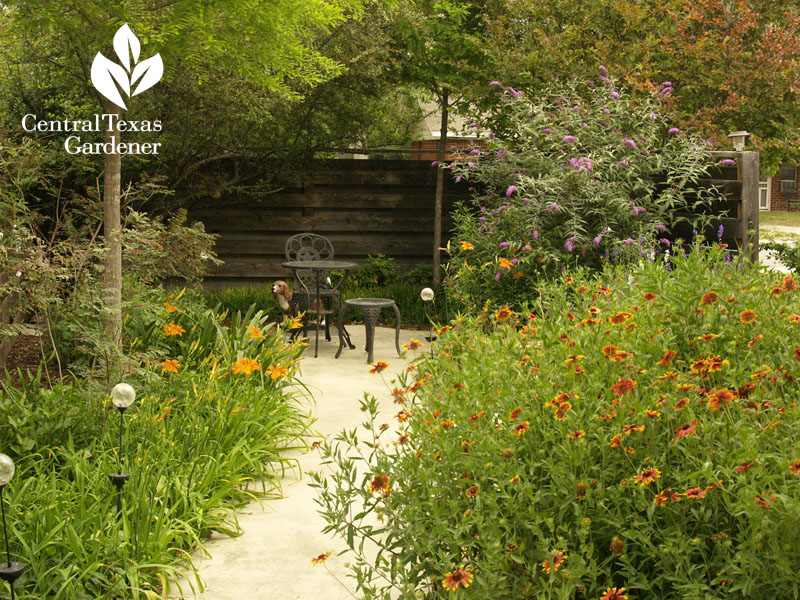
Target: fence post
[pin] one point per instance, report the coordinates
(750, 178)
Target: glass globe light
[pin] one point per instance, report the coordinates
(122, 395)
(6, 469)
(426, 294)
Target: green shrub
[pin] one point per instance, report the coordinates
(242, 298)
(635, 429)
(571, 179)
(787, 253)
(199, 436)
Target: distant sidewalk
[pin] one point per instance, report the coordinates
(271, 560)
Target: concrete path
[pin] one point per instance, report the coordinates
(271, 560)
(777, 233)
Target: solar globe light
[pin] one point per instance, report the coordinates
(427, 295)
(9, 570)
(122, 397)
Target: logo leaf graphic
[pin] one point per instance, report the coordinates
(125, 40)
(150, 70)
(104, 74)
(107, 75)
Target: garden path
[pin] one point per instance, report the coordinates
(271, 560)
(778, 233)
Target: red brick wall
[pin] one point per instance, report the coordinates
(457, 148)
(780, 201)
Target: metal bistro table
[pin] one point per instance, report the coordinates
(320, 268)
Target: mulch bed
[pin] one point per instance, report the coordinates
(25, 355)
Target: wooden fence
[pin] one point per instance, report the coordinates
(363, 206)
(386, 207)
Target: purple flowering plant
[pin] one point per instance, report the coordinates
(571, 200)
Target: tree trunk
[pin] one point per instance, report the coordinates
(112, 274)
(437, 205)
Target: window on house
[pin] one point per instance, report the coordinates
(788, 178)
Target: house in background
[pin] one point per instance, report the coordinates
(427, 131)
(781, 191)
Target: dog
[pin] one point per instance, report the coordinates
(283, 294)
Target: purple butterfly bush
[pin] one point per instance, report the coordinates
(502, 209)
(526, 200)
(474, 152)
(597, 240)
(628, 241)
(502, 245)
(727, 162)
(495, 84)
(660, 228)
(569, 138)
(665, 241)
(628, 143)
(511, 189)
(623, 163)
(501, 153)
(458, 179)
(546, 130)
(615, 95)
(603, 69)
(674, 130)
(535, 235)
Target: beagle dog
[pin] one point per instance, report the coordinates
(283, 294)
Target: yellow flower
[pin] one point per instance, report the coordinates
(170, 365)
(277, 371)
(295, 322)
(255, 332)
(173, 329)
(321, 558)
(505, 263)
(246, 366)
(466, 245)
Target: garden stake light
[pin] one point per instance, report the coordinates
(122, 396)
(9, 570)
(427, 296)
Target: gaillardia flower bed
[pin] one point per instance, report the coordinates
(631, 435)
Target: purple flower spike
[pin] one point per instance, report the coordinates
(458, 179)
(471, 165)
(474, 152)
(603, 69)
(606, 111)
(535, 234)
(674, 130)
(473, 124)
(511, 189)
(720, 232)
(526, 247)
(597, 241)
(546, 130)
(501, 153)
(497, 277)
(623, 163)
(660, 228)
(666, 84)
(491, 134)
(502, 245)
(434, 163)
(629, 144)
(526, 200)
(554, 207)
(666, 91)
(628, 241)
(653, 115)
(494, 83)
(615, 95)
(569, 138)
(665, 241)
(728, 162)
(514, 261)
(500, 211)
(568, 246)
(635, 211)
